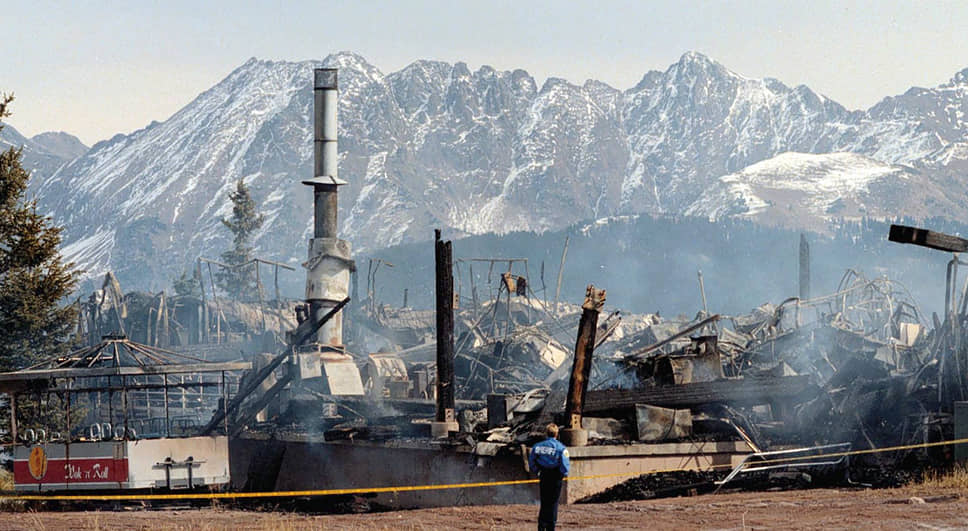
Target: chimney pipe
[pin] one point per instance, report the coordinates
(329, 264)
(325, 151)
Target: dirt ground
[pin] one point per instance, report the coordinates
(906, 508)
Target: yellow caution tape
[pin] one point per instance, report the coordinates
(413, 488)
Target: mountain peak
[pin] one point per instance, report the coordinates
(696, 65)
(695, 57)
(64, 145)
(554, 82)
(353, 61)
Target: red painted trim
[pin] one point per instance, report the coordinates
(77, 470)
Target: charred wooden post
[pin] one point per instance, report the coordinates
(445, 421)
(574, 435)
(804, 268)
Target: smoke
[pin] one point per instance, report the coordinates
(650, 264)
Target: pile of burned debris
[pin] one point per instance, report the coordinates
(211, 324)
(855, 365)
(860, 366)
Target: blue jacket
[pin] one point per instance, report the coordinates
(549, 453)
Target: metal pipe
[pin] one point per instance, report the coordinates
(325, 93)
(325, 211)
(325, 151)
(561, 269)
(804, 268)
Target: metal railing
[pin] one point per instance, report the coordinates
(828, 454)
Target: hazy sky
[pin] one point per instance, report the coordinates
(95, 69)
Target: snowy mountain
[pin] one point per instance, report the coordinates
(438, 145)
(42, 154)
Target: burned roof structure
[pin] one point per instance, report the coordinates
(135, 383)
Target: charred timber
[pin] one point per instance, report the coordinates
(741, 392)
(927, 238)
(584, 346)
(444, 259)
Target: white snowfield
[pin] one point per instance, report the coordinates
(804, 181)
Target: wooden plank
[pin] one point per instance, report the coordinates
(927, 238)
(741, 391)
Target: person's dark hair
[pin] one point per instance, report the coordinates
(552, 431)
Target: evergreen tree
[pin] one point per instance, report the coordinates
(238, 281)
(33, 277)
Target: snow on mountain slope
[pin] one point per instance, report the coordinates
(698, 120)
(168, 181)
(801, 190)
(438, 145)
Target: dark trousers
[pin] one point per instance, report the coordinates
(550, 486)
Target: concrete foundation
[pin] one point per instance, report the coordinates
(636, 459)
(305, 463)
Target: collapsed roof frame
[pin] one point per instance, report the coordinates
(114, 356)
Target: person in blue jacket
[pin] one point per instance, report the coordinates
(549, 459)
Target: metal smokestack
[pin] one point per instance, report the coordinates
(325, 152)
(329, 264)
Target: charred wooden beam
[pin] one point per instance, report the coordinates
(445, 421)
(927, 238)
(574, 435)
(561, 269)
(251, 412)
(742, 392)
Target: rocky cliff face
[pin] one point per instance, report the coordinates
(439, 145)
